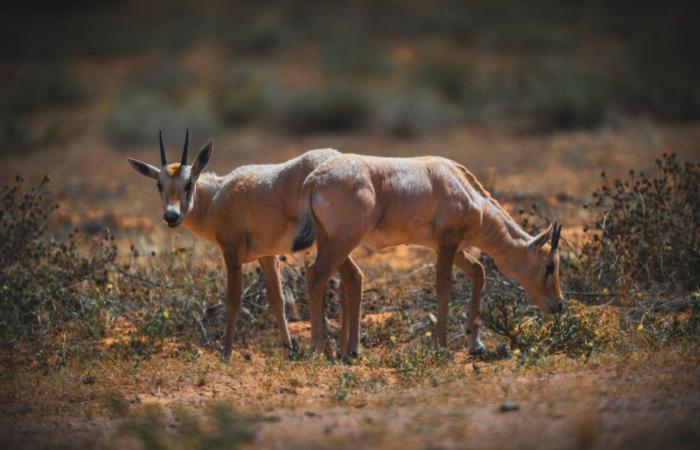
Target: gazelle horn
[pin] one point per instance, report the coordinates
(163, 161)
(184, 150)
(555, 236)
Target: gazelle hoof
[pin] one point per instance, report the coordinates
(293, 346)
(477, 348)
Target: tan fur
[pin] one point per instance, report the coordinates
(173, 170)
(250, 214)
(427, 201)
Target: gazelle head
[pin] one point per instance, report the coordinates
(176, 181)
(540, 273)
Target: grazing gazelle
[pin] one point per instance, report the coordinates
(431, 202)
(250, 214)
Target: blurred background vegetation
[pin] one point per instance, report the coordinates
(395, 67)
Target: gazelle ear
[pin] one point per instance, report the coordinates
(144, 168)
(539, 240)
(202, 159)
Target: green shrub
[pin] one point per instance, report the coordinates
(37, 89)
(263, 37)
(42, 87)
(15, 133)
(567, 96)
(340, 107)
(455, 81)
(352, 55)
(663, 73)
(532, 336)
(408, 113)
(137, 116)
(245, 96)
(162, 78)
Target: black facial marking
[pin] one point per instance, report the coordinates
(160, 187)
(188, 187)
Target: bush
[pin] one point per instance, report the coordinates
(45, 282)
(350, 55)
(646, 229)
(45, 86)
(663, 74)
(138, 115)
(567, 96)
(244, 97)
(454, 81)
(408, 113)
(41, 88)
(340, 107)
(163, 78)
(261, 38)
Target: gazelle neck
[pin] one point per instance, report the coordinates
(198, 220)
(502, 239)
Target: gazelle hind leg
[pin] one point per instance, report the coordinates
(329, 256)
(352, 279)
(475, 271)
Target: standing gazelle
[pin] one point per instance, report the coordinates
(429, 201)
(250, 214)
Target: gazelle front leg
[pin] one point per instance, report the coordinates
(446, 256)
(271, 271)
(475, 271)
(234, 281)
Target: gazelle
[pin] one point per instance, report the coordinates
(250, 214)
(431, 202)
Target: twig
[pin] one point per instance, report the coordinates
(140, 278)
(592, 294)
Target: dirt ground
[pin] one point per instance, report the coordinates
(647, 399)
(642, 401)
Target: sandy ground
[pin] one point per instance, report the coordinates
(648, 402)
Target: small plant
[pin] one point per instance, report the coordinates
(415, 362)
(576, 332)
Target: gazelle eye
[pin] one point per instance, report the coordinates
(549, 269)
